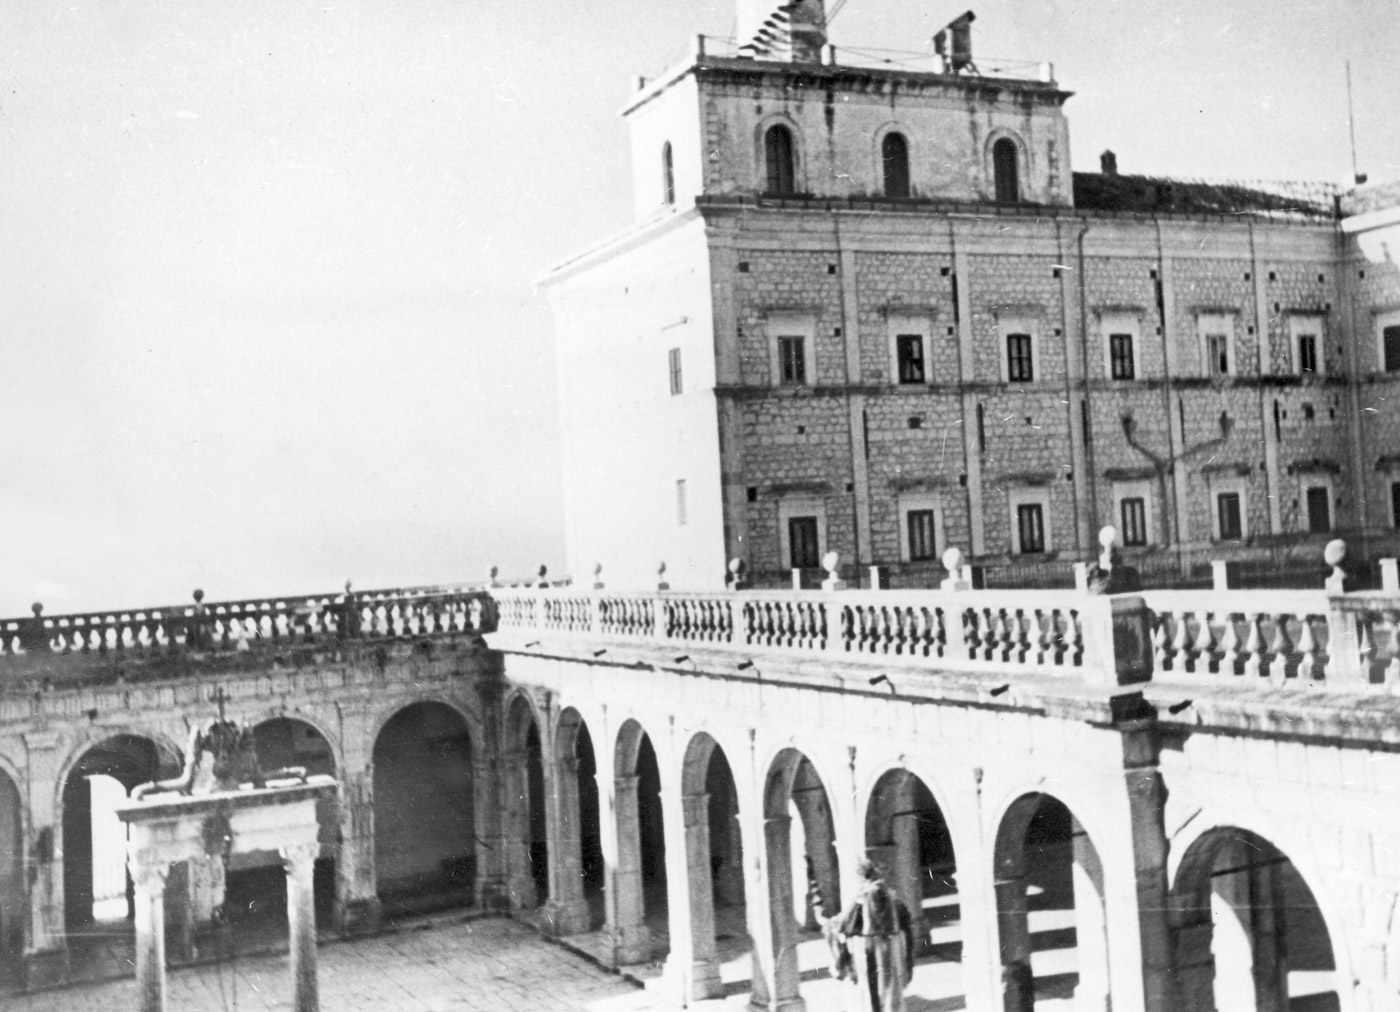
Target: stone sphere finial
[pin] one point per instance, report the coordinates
(831, 561)
(661, 569)
(952, 560)
(544, 570)
(38, 608)
(1335, 552)
(495, 571)
(736, 566)
(348, 585)
(1107, 536)
(198, 595)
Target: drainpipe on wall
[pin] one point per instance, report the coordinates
(1086, 411)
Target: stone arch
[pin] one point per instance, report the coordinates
(326, 729)
(638, 878)
(254, 888)
(126, 758)
(394, 707)
(894, 161)
(14, 898)
(709, 811)
(425, 819)
(1247, 931)
(523, 820)
(908, 837)
(1047, 869)
(793, 783)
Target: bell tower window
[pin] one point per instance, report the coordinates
(778, 153)
(894, 154)
(1004, 171)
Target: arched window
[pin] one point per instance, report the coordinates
(777, 151)
(668, 174)
(894, 154)
(1004, 170)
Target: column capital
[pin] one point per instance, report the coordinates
(626, 783)
(296, 855)
(695, 808)
(149, 877)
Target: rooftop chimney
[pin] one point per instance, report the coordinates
(961, 57)
(1108, 163)
(783, 29)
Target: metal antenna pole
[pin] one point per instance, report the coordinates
(1351, 123)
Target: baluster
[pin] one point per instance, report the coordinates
(1160, 657)
(1001, 649)
(1076, 638)
(1307, 646)
(1367, 648)
(1229, 645)
(1390, 676)
(1253, 648)
(1204, 647)
(1025, 618)
(1280, 648)
(1181, 643)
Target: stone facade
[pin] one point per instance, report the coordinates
(846, 269)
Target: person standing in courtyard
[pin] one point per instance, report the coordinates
(879, 933)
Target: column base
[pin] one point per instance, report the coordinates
(559, 919)
(493, 895)
(357, 918)
(45, 968)
(687, 982)
(629, 946)
(522, 893)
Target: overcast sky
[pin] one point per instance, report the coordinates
(267, 268)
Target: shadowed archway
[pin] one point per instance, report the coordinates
(638, 880)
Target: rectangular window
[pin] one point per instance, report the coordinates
(1390, 336)
(680, 502)
(921, 546)
(802, 543)
(1227, 505)
(792, 360)
(1218, 354)
(1307, 353)
(1030, 523)
(910, 349)
(1319, 509)
(675, 363)
(1018, 358)
(1134, 512)
(1120, 356)
(1395, 504)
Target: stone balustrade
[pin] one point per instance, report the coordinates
(1296, 640)
(1035, 631)
(280, 622)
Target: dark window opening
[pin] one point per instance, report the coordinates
(1019, 368)
(1395, 503)
(674, 355)
(1004, 169)
(1134, 513)
(1391, 338)
(1319, 509)
(802, 543)
(1218, 354)
(894, 154)
(1307, 353)
(668, 174)
(921, 546)
(1227, 505)
(910, 351)
(1120, 356)
(792, 360)
(778, 152)
(1030, 524)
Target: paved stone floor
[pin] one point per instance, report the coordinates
(440, 965)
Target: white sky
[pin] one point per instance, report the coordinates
(266, 268)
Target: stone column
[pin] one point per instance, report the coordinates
(493, 888)
(1017, 980)
(46, 956)
(206, 893)
(629, 939)
(771, 925)
(1146, 801)
(905, 875)
(357, 910)
(819, 832)
(1090, 926)
(729, 876)
(692, 968)
(515, 829)
(566, 912)
(149, 881)
(300, 861)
